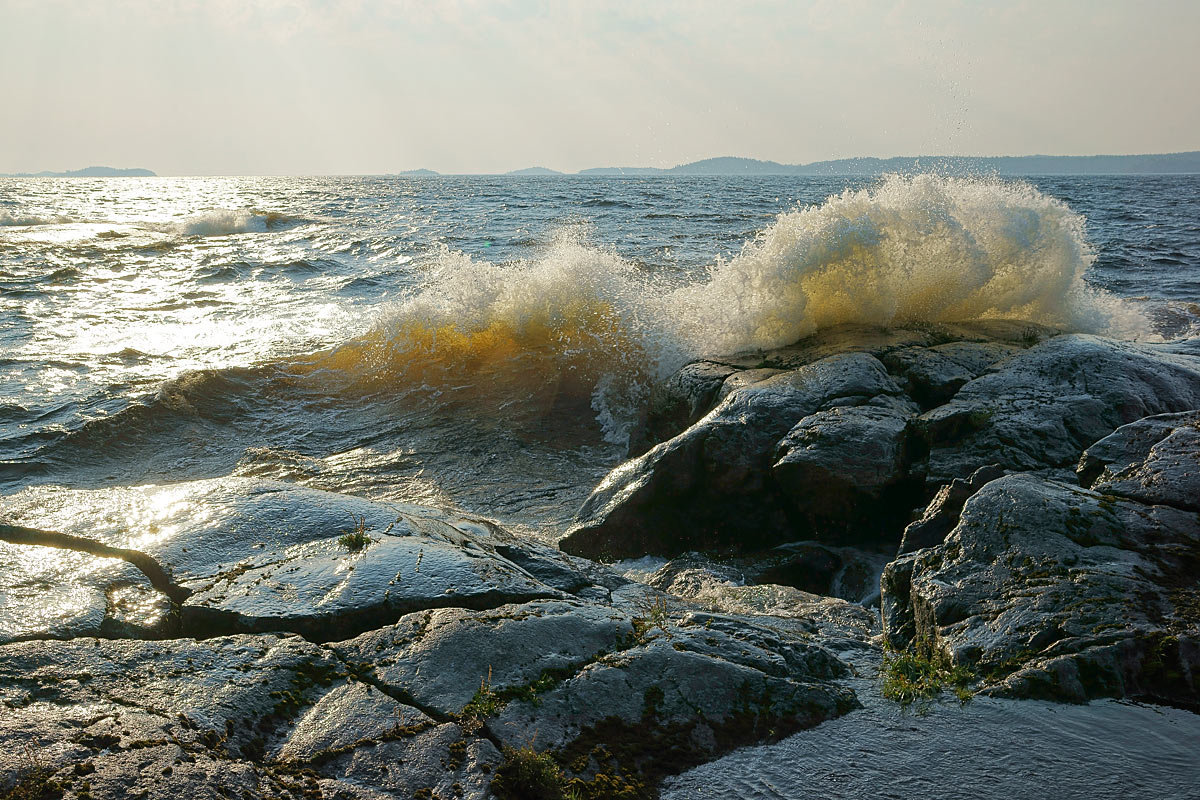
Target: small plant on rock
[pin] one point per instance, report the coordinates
(527, 774)
(922, 675)
(356, 540)
(486, 702)
(652, 614)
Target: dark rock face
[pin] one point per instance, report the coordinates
(712, 486)
(1154, 460)
(1050, 590)
(835, 447)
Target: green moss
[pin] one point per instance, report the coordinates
(922, 675)
(38, 784)
(527, 774)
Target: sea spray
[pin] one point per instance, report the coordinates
(579, 322)
(922, 248)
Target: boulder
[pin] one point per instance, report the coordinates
(933, 375)
(845, 469)
(1040, 409)
(712, 486)
(1051, 590)
(1153, 460)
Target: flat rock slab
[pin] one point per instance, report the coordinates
(565, 676)
(250, 715)
(325, 592)
(260, 556)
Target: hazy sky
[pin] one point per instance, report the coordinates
(321, 86)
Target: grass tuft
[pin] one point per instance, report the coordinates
(356, 540)
(918, 675)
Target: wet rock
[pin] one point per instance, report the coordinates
(251, 715)
(350, 715)
(933, 375)
(682, 690)
(941, 515)
(441, 658)
(845, 469)
(262, 556)
(1042, 407)
(712, 486)
(1050, 590)
(326, 592)
(1153, 460)
(687, 395)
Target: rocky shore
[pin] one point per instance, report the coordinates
(994, 506)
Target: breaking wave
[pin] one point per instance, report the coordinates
(581, 323)
(221, 222)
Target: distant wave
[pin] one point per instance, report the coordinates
(23, 220)
(221, 222)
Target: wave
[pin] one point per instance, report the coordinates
(580, 324)
(28, 220)
(223, 222)
(922, 248)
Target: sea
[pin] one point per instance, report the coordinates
(488, 343)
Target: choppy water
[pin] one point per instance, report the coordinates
(485, 342)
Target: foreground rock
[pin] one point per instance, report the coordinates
(1052, 590)
(463, 651)
(839, 437)
(260, 556)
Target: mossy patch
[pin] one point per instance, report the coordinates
(922, 674)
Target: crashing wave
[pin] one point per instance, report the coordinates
(580, 321)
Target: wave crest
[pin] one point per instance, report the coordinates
(225, 222)
(581, 322)
(28, 220)
(923, 248)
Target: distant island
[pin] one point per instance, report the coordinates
(535, 171)
(1152, 164)
(87, 172)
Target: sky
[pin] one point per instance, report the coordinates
(267, 87)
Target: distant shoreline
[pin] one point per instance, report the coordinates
(1186, 163)
(87, 172)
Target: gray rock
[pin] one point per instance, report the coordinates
(712, 485)
(325, 592)
(441, 658)
(683, 690)
(1153, 460)
(843, 470)
(941, 515)
(1052, 590)
(349, 715)
(683, 399)
(934, 374)
(1129, 445)
(1041, 408)
(261, 556)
